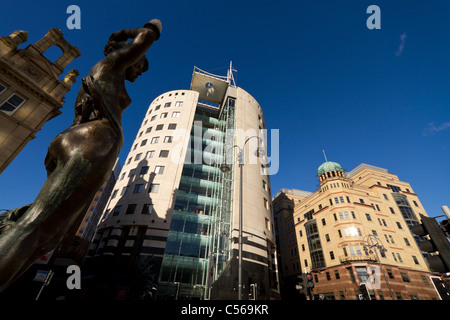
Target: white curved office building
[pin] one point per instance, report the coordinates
(174, 213)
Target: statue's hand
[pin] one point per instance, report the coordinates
(118, 36)
(155, 25)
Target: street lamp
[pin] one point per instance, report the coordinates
(374, 243)
(225, 168)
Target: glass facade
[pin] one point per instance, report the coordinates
(198, 244)
(315, 246)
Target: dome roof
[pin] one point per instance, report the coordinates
(328, 167)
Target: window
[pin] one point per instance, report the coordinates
(167, 105)
(159, 127)
(124, 191)
(327, 237)
(155, 140)
(168, 139)
(164, 153)
(176, 114)
(2, 88)
(266, 204)
(331, 255)
(154, 187)
(361, 200)
(153, 118)
(172, 126)
(179, 104)
(394, 188)
(147, 209)
(138, 188)
(138, 157)
(415, 203)
(157, 107)
(114, 194)
(368, 217)
(324, 223)
(407, 242)
(385, 196)
(130, 209)
(163, 115)
(150, 154)
(392, 210)
(336, 274)
(352, 276)
(12, 104)
(267, 223)
(328, 275)
(159, 169)
(264, 185)
(148, 130)
(415, 260)
(344, 215)
(144, 142)
(116, 210)
(399, 225)
(362, 274)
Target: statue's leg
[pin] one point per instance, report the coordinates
(43, 225)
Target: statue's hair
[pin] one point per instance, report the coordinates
(115, 45)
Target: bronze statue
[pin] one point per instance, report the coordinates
(80, 158)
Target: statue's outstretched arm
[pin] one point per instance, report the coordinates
(142, 37)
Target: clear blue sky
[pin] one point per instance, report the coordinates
(321, 76)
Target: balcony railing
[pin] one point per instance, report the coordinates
(358, 258)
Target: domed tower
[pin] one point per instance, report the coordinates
(330, 170)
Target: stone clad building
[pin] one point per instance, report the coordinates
(31, 92)
(331, 227)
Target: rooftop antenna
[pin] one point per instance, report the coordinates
(325, 155)
(230, 76)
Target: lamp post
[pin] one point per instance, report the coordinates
(225, 168)
(374, 243)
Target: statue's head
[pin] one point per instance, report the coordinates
(135, 70)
